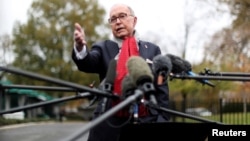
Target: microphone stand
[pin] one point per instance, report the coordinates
(73, 87)
(137, 94)
(181, 114)
(30, 106)
(57, 81)
(225, 78)
(46, 88)
(234, 74)
(207, 75)
(132, 98)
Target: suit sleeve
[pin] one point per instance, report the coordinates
(90, 61)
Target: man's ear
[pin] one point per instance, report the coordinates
(135, 20)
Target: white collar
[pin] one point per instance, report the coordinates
(119, 41)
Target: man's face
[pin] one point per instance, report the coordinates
(122, 21)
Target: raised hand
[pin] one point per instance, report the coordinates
(79, 37)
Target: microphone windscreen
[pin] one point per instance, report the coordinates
(179, 65)
(161, 63)
(139, 70)
(127, 85)
(111, 72)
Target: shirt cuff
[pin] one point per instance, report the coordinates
(82, 54)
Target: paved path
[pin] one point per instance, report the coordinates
(52, 131)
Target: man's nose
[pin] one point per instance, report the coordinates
(117, 20)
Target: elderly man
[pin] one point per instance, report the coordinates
(122, 21)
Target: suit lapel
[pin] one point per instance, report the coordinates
(112, 48)
(143, 49)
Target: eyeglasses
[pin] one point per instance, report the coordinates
(121, 16)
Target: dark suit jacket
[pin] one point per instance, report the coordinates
(103, 52)
(97, 61)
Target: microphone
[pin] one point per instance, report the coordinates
(108, 83)
(161, 66)
(179, 65)
(128, 87)
(183, 66)
(142, 76)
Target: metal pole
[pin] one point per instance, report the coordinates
(87, 94)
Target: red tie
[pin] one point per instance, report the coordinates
(129, 48)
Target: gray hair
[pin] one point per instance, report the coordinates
(131, 11)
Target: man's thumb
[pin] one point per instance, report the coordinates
(78, 27)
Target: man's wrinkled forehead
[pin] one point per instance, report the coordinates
(118, 9)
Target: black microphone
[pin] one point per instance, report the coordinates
(183, 66)
(161, 66)
(142, 76)
(179, 65)
(108, 82)
(128, 88)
